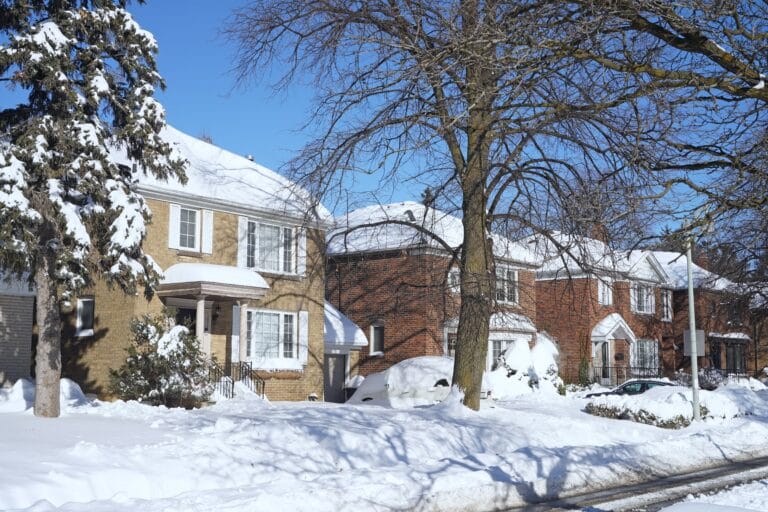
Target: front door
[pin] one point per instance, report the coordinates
(334, 376)
(602, 363)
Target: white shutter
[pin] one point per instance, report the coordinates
(633, 296)
(653, 299)
(235, 351)
(242, 241)
(303, 336)
(173, 226)
(207, 242)
(301, 252)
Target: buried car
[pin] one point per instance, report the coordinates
(632, 387)
(423, 380)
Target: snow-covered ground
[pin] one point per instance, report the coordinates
(742, 498)
(249, 454)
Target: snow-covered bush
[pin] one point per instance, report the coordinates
(165, 366)
(709, 378)
(521, 370)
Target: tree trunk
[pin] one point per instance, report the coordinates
(48, 359)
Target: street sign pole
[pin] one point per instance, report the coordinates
(692, 327)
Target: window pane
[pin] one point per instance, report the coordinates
(287, 250)
(288, 344)
(251, 245)
(187, 228)
(249, 335)
(269, 248)
(266, 335)
(378, 339)
(451, 344)
(85, 312)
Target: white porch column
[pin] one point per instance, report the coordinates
(205, 342)
(243, 329)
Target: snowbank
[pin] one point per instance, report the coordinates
(21, 396)
(522, 370)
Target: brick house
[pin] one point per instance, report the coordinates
(399, 283)
(608, 310)
(242, 265)
(722, 313)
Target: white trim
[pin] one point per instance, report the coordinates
(634, 291)
(300, 257)
(666, 306)
(296, 261)
(605, 291)
(242, 242)
(79, 331)
(280, 362)
(506, 268)
(174, 217)
(198, 222)
(373, 352)
(207, 232)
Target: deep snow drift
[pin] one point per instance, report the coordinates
(249, 454)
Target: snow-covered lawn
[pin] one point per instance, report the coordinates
(248, 454)
(742, 498)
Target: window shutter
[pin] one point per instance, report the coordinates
(301, 252)
(633, 297)
(207, 241)
(235, 352)
(242, 241)
(303, 336)
(173, 226)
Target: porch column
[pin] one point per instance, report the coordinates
(243, 329)
(205, 344)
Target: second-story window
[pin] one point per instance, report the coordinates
(454, 280)
(270, 248)
(190, 229)
(377, 339)
(506, 285)
(666, 305)
(604, 291)
(188, 224)
(643, 299)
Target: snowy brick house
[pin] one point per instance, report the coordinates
(401, 286)
(240, 251)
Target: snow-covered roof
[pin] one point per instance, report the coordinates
(10, 285)
(730, 335)
(340, 331)
(208, 273)
(214, 173)
(354, 234)
(565, 254)
(674, 263)
(612, 326)
(504, 321)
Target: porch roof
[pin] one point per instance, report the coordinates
(611, 327)
(339, 331)
(196, 279)
(731, 336)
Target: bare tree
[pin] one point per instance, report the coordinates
(460, 96)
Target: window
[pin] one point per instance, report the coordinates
(450, 344)
(269, 248)
(85, 317)
(377, 339)
(604, 291)
(271, 335)
(188, 229)
(643, 299)
(734, 358)
(645, 356)
(666, 305)
(454, 280)
(506, 285)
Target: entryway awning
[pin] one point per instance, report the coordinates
(732, 337)
(612, 326)
(340, 331)
(205, 279)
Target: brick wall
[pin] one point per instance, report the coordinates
(15, 338)
(88, 360)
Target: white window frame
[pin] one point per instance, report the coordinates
(650, 347)
(502, 282)
(80, 331)
(373, 351)
(447, 333)
(253, 248)
(250, 335)
(666, 305)
(198, 219)
(648, 305)
(605, 291)
(454, 280)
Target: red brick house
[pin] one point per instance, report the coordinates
(399, 283)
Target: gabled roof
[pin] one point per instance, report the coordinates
(676, 266)
(366, 230)
(565, 255)
(610, 327)
(216, 174)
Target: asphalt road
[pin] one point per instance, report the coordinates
(653, 495)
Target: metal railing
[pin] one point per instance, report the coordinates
(242, 371)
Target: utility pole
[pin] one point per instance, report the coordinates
(692, 327)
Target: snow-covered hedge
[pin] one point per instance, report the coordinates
(165, 366)
(522, 370)
(671, 406)
(21, 396)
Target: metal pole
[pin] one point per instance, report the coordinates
(692, 327)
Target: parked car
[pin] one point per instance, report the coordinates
(632, 387)
(417, 381)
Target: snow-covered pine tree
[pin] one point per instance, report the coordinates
(86, 72)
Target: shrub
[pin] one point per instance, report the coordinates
(165, 366)
(641, 415)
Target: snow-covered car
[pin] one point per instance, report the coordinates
(632, 387)
(417, 381)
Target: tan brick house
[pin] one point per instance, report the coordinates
(391, 270)
(240, 250)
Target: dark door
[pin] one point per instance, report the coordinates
(335, 370)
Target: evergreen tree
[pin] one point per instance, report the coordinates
(68, 212)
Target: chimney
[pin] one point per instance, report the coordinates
(702, 260)
(599, 232)
(249, 157)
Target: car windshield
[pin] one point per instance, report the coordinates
(632, 387)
